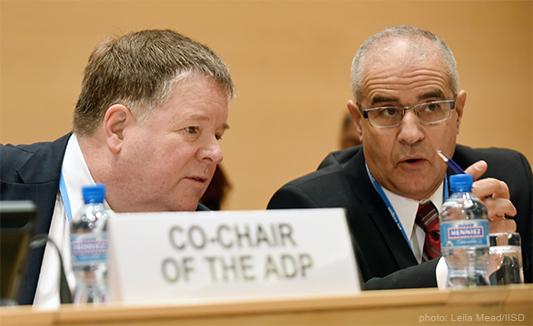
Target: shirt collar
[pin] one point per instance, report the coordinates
(406, 208)
(76, 173)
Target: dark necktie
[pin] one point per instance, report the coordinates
(428, 219)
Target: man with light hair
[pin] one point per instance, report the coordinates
(152, 109)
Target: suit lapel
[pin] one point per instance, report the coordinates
(376, 210)
(40, 175)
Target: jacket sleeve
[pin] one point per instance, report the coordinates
(419, 276)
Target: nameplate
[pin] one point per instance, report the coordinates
(176, 256)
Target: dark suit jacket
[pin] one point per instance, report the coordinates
(385, 258)
(32, 172)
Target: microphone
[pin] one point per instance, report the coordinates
(64, 290)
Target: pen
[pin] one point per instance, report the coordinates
(456, 168)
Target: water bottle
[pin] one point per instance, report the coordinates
(88, 243)
(464, 231)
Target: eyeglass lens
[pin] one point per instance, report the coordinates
(431, 112)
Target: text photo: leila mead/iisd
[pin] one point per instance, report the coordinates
(470, 317)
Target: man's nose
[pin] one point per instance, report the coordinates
(212, 151)
(410, 128)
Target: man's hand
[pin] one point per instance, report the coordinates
(495, 195)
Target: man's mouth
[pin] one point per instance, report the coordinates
(198, 179)
(413, 159)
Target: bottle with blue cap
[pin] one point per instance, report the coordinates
(464, 235)
(88, 243)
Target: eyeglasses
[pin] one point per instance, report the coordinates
(427, 113)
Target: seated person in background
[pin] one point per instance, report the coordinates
(400, 77)
(350, 136)
(217, 191)
(152, 109)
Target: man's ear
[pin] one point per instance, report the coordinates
(460, 101)
(116, 119)
(356, 116)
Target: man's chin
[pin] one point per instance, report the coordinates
(188, 205)
(417, 192)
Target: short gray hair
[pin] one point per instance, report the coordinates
(415, 35)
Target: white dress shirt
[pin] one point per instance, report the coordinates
(76, 174)
(406, 210)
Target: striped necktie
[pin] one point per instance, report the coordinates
(427, 218)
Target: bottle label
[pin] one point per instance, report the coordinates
(88, 248)
(464, 233)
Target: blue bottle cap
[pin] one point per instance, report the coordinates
(93, 193)
(461, 182)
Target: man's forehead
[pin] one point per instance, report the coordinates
(402, 51)
(397, 67)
